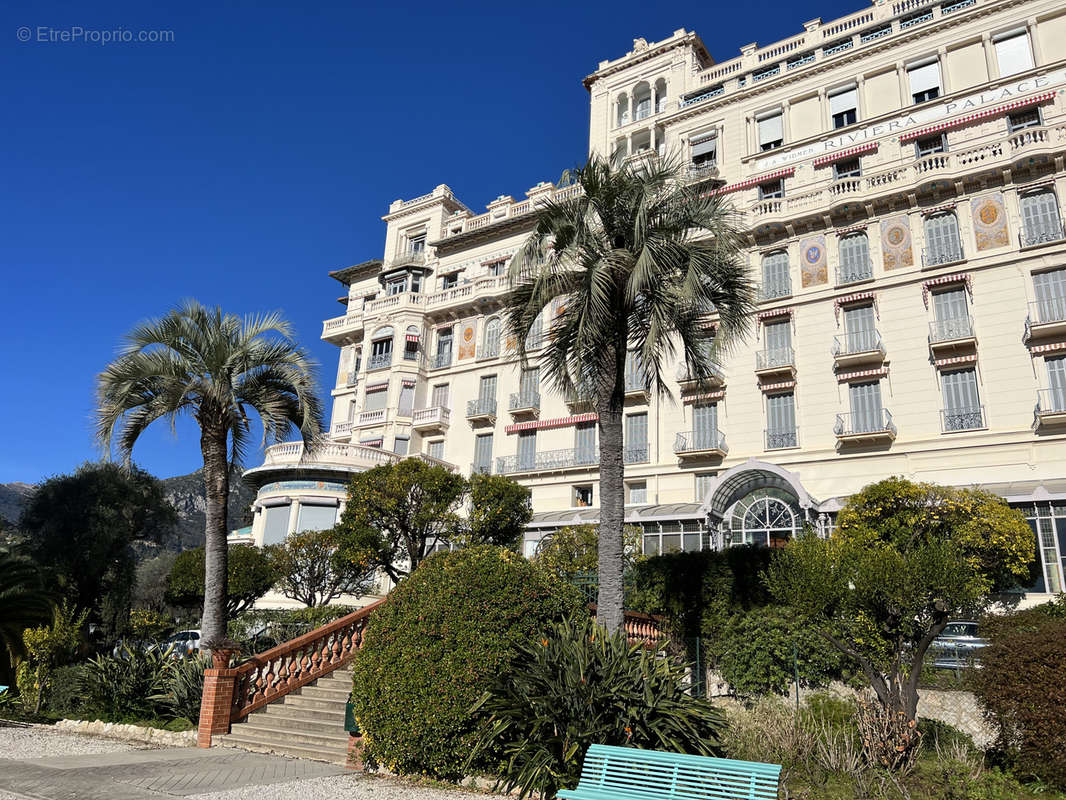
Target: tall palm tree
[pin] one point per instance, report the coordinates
(638, 261)
(217, 368)
(23, 604)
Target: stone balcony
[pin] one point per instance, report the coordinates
(435, 418)
(331, 455)
(343, 329)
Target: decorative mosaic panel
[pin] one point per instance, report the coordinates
(467, 340)
(990, 221)
(896, 243)
(813, 262)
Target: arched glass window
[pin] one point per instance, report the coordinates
(490, 346)
(1040, 218)
(641, 101)
(855, 258)
(380, 348)
(766, 516)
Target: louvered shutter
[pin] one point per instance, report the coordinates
(705, 426)
(778, 341)
(440, 396)
(1040, 217)
(529, 383)
(855, 256)
(483, 452)
(636, 437)
(487, 390)
(781, 413)
(950, 305)
(527, 449)
(585, 442)
(859, 327)
(1051, 294)
(1056, 373)
(865, 407)
(942, 237)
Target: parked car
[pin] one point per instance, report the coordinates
(958, 646)
(184, 643)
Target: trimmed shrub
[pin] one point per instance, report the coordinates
(579, 686)
(437, 644)
(1022, 686)
(760, 651)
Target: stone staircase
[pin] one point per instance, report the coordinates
(306, 723)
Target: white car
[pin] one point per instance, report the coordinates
(184, 643)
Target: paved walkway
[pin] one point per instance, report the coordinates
(150, 774)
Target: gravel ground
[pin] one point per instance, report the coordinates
(343, 787)
(41, 741)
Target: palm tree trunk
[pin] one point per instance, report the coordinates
(216, 553)
(612, 516)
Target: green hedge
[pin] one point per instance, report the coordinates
(437, 644)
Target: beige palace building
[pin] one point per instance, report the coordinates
(899, 173)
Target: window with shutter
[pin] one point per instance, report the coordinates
(376, 398)
(704, 150)
(487, 389)
(1050, 290)
(529, 383)
(942, 244)
(844, 107)
(865, 407)
(952, 315)
(436, 450)
(924, 81)
(781, 421)
(855, 262)
(439, 396)
(636, 438)
(585, 443)
(1013, 53)
(401, 445)
(276, 524)
(771, 131)
(775, 277)
(705, 426)
(483, 453)
(1040, 218)
(407, 400)
(316, 518)
(527, 449)
(1056, 373)
(962, 405)
(859, 329)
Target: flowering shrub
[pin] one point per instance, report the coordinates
(437, 643)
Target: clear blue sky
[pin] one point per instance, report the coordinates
(256, 152)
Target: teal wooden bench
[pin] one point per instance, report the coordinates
(627, 773)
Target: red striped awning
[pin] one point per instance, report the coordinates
(377, 387)
(703, 398)
(412, 337)
(858, 297)
(372, 442)
(880, 372)
(948, 362)
(958, 277)
(1047, 348)
(959, 122)
(937, 209)
(547, 424)
(408, 382)
(829, 158)
(494, 261)
(854, 229)
(776, 387)
(770, 176)
(785, 311)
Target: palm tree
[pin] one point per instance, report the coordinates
(23, 604)
(217, 368)
(634, 260)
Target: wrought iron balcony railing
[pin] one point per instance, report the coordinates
(481, 469)
(948, 330)
(379, 361)
(1045, 233)
(855, 272)
(947, 253)
(771, 290)
(775, 358)
(700, 441)
(481, 407)
(489, 350)
(441, 360)
(635, 454)
(415, 257)
(779, 438)
(962, 419)
(867, 341)
(856, 424)
(1051, 401)
(684, 374)
(547, 460)
(524, 400)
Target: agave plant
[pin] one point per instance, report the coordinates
(578, 686)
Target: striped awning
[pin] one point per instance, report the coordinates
(880, 372)
(1047, 348)
(377, 387)
(493, 261)
(958, 277)
(829, 158)
(949, 362)
(547, 424)
(858, 297)
(412, 337)
(785, 311)
(937, 209)
(777, 387)
(704, 397)
(770, 176)
(374, 442)
(853, 229)
(408, 382)
(959, 122)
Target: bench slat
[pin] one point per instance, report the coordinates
(629, 773)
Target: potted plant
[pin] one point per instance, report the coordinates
(222, 651)
(350, 723)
